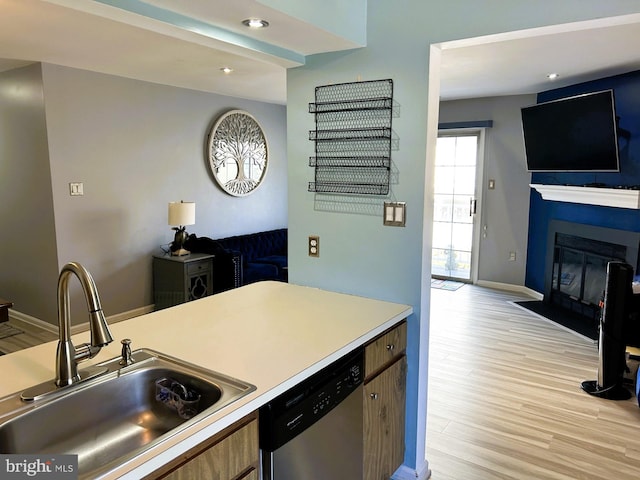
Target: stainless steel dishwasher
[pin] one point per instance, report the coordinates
(314, 431)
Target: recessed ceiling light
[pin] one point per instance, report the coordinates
(226, 70)
(255, 23)
(553, 76)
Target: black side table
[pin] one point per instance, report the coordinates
(180, 279)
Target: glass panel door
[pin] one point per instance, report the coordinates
(454, 205)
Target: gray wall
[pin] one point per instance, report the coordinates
(28, 246)
(137, 146)
(504, 210)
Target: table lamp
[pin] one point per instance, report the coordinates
(181, 214)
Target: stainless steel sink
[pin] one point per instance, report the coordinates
(118, 415)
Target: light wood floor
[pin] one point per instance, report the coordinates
(505, 399)
(30, 337)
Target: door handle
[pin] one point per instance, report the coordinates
(472, 207)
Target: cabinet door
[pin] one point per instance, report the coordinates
(226, 460)
(384, 405)
(198, 281)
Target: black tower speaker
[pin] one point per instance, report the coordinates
(612, 344)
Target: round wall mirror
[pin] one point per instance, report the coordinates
(238, 153)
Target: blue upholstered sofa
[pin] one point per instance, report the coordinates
(244, 259)
(263, 255)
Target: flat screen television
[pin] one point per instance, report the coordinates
(575, 134)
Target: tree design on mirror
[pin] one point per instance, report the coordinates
(238, 153)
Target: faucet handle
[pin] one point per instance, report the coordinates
(126, 359)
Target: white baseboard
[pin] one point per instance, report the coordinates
(406, 473)
(119, 317)
(533, 293)
(511, 288)
(20, 317)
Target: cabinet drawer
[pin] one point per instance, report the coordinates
(251, 475)
(198, 267)
(385, 349)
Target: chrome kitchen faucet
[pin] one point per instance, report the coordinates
(68, 356)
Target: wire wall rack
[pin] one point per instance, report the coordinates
(352, 138)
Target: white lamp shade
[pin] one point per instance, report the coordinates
(182, 213)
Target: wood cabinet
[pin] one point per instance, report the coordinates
(384, 403)
(181, 279)
(232, 454)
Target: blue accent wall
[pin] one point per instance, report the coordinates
(627, 101)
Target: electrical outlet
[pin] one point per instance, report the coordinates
(314, 246)
(512, 256)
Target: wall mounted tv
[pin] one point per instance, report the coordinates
(575, 134)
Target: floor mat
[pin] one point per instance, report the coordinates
(446, 284)
(7, 330)
(573, 321)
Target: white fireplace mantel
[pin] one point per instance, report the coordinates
(606, 197)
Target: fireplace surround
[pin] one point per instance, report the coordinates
(576, 264)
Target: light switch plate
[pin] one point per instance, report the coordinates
(76, 189)
(395, 214)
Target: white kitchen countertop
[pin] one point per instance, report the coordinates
(269, 334)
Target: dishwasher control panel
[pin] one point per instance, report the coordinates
(335, 392)
(300, 407)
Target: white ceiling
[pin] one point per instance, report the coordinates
(519, 62)
(96, 36)
(186, 50)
